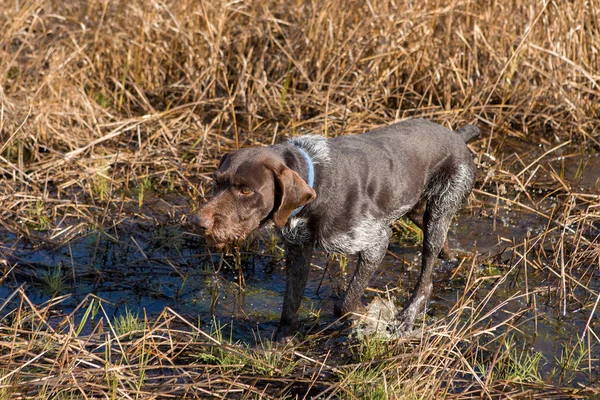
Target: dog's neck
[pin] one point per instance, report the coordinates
(317, 147)
(306, 155)
(310, 178)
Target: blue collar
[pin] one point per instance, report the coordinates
(311, 176)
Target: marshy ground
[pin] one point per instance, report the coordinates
(113, 116)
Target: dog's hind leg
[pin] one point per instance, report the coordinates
(444, 200)
(416, 216)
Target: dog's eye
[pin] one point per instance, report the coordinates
(246, 191)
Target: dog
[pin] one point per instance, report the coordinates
(342, 195)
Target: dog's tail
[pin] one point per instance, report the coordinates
(468, 132)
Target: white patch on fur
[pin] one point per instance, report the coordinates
(450, 193)
(316, 146)
(296, 231)
(369, 233)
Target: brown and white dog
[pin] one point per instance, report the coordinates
(342, 195)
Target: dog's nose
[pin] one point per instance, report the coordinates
(202, 222)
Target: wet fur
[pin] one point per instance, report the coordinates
(363, 183)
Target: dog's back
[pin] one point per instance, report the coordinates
(382, 174)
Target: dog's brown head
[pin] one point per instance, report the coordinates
(250, 187)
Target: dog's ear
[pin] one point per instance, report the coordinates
(223, 160)
(294, 193)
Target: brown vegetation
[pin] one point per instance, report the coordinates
(105, 103)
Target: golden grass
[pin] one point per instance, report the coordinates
(105, 105)
(122, 91)
(49, 356)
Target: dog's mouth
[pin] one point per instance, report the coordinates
(221, 244)
(225, 232)
(223, 240)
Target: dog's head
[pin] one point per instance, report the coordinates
(250, 187)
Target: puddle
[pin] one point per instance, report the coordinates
(172, 269)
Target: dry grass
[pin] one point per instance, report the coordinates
(107, 107)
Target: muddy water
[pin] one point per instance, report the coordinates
(172, 271)
(147, 268)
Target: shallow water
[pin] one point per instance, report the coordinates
(147, 268)
(174, 271)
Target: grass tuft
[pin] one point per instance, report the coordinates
(128, 323)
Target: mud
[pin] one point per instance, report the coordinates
(145, 268)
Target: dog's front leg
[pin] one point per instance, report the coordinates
(298, 259)
(368, 261)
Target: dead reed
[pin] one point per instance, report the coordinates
(113, 112)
